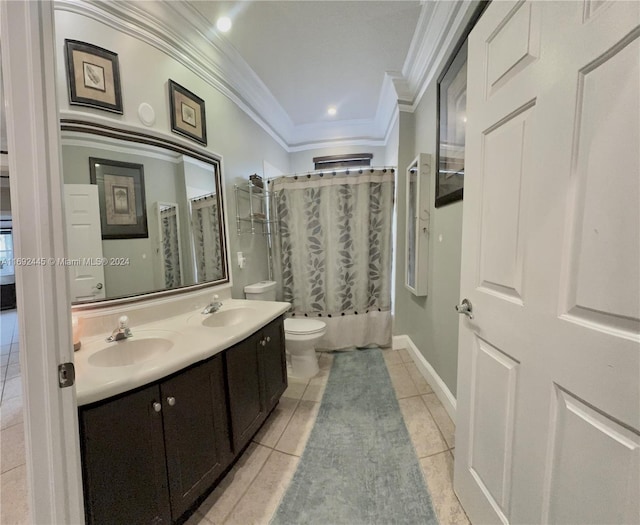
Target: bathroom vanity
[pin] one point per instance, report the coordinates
(150, 454)
(165, 413)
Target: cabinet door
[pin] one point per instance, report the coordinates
(123, 461)
(273, 363)
(195, 428)
(245, 400)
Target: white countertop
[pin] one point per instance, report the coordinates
(192, 342)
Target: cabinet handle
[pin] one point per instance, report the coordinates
(263, 343)
(171, 401)
(157, 406)
(268, 339)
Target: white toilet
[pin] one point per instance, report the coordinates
(300, 334)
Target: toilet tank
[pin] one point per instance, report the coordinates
(262, 291)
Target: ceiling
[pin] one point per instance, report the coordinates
(314, 54)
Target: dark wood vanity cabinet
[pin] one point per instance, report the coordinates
(150, 454)
(246, 405)
(273, 363)
(257, 377)
(196, 433)
(123, 460)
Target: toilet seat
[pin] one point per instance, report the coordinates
(303, 326)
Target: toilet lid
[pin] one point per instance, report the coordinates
(303, 326)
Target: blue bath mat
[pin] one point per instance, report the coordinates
(359, 466)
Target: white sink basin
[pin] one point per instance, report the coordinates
(137, 349)
(226, 318)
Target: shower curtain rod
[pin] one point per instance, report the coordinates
(356, 169)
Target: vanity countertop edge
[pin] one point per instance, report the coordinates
(193, 343)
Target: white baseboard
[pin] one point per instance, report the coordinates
(440, 389)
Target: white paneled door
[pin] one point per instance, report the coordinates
(84, 242)
(548, 412)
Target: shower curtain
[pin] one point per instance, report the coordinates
(206, 238)
(170, 247)
(333, 253)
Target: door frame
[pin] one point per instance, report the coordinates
(33, 133)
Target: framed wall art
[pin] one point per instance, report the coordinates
(94, 76)
(452, 105)
(187, 113)
(123, 210)
(452, 119)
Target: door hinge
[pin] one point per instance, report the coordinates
(66, 375)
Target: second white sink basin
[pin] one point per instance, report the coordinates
(226, 318)
(134, 350)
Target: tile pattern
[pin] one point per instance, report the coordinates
(432, 433)
(252, 490)
(13, 487)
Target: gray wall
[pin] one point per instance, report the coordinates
(431, 322)
(5, 200)
(391, 153)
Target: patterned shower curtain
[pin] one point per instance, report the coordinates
(206, 239)
(170, 247)
(333, 253)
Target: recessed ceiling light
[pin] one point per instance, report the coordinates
(224, 23)
(332, 110)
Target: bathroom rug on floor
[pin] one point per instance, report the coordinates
(359, 466)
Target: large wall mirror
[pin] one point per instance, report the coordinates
(143, 214)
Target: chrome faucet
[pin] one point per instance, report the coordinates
(213, 306)
(122, 331)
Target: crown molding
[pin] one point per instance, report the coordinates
(163, 26)
(439, 29)
(180, 31)
(235, 70)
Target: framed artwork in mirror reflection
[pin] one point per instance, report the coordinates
(123, 210)
(187, 113)
(94, 76)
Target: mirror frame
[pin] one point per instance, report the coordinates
(102, 130)
(421, 167)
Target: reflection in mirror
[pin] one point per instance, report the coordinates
(169, 246)
(206, 236)
(140, 218)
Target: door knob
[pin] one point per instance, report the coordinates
(465, 308)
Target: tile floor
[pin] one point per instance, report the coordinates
(13, 487)
(250, 493)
